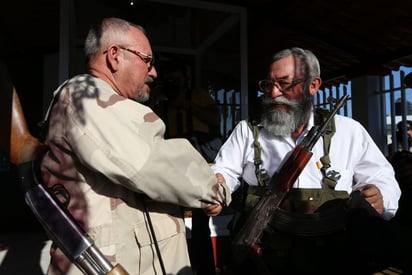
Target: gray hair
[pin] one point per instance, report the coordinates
(108, 31)
(309, 63)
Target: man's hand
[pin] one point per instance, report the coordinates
(213, 210)
(373, 195)
(220, 179)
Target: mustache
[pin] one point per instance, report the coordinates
(149, 80)
(280, 100)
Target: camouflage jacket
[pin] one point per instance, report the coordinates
(107, 151)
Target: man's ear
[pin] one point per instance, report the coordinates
(315, 85)
(112, 57)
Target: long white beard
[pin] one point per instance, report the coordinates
(285, 122)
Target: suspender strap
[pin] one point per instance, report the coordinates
(329, 178)
(261, 174)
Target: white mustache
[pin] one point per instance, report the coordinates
(149, 80)
(280, 100)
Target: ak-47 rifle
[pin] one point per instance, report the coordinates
(245, 242)
(24, 151)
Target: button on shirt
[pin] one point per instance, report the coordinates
(352, 153)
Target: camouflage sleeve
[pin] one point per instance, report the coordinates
(123, 140)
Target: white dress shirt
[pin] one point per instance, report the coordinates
(352, 153)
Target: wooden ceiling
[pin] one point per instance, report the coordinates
(350, 37)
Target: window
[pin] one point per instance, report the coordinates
(230, 115)
(397, 100)
(324, 97)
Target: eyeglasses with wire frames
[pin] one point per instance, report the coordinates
(146, 58)
(266, 85)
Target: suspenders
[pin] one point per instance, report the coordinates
(330, 177)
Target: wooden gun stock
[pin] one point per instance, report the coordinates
(291, 169)
(23, 146)
(245, 242)
(23, 150)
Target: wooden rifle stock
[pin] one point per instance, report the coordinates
(245, 242)
(24, 151)
(23, 146)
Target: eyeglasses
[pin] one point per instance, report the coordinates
(266, 85)
(148, 59)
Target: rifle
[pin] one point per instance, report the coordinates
(245, 242)
(24, 151)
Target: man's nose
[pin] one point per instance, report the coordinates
(153, 72)
(275, 92)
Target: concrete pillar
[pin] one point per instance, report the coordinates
(367, 107)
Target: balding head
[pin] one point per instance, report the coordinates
(119, 53)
